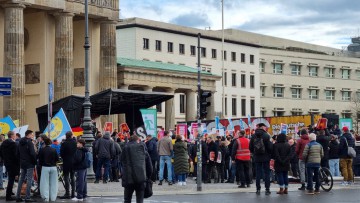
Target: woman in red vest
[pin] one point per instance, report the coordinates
(241, 156)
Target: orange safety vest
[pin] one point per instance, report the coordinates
(242, 151)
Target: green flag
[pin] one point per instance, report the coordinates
(150, 121)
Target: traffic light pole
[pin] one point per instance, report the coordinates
(199, 151)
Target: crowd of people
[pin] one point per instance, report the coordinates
(236, 159)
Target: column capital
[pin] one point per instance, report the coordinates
(112, 22)
(63, 13)
(13, 5)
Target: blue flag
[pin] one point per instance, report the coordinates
(242, 124)
(231, 124)
(217, 121)
(6, 124)
(249, 121)
(58, 127)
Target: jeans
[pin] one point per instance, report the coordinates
(181, 177)
(28, 174)
(346, 169)
(212, 172)
(313, 174)
(69, 179)
(243, 169)
(295, 169)
(1, 175)
(81, 184)
(263, 168)
(167, 160)
(106, 163)
(129, 190)
(233, 173)
(49, 183)
(334, 167)
(10, 184)
(282, 178)
(302, 171)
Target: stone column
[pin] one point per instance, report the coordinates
(211, 109)
(64, 70)
(108, 67)
(191, 106)
(14, 59)
(170, 113)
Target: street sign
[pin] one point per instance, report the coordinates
(5, 86)
(5, 93)
(5, 79)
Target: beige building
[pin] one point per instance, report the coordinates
(43, 41)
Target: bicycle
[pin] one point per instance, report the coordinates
(326, 179)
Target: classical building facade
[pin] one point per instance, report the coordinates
(43, 41)
(148, 40)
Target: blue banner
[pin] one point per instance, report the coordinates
(58, 127)
(242, 124)
(217, 122)
(249, 121)
(6, 124)
(231, 124)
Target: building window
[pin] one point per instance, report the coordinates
(242, 58)
(313, 71)
(263, 113)
(278, 68)
(233, 105)
(233, 56)
(252, 59)
(329, 94)
(225, 105)
(158, 45)
(170, 47)
(329, 72)
(278, 113)
(182, 48)
(345, 74)
(358, 74)
(225, 78)
(295, 69)
(296, 113)
(296, 93)
(252, 81)
(233, 79)
(243, 80)
(313, 94)
(262, 67)
(192, 50)
(203, 52)
(182, 103)
(145, 43)
(225, 55)
(262, 89)
(213, 53)
(159, 108)
(252, 107)
(358, 95)
(278, 92)
(243, 107)
(346, 96)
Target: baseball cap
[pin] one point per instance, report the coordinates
(345, 128)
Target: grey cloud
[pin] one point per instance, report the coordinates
(192, 20)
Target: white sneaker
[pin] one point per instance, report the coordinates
(76, 199)
(344, 183)
(184, 183)
(180, 183)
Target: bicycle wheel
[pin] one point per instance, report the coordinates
(326, 179)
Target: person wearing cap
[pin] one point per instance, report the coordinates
(262, 156)
(80, 166)
(151, 145)
(346, 140)
(299, 149)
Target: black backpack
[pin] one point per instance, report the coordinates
(259, 146)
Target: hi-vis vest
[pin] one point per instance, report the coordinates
(242, 151)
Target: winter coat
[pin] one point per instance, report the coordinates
(136, 164)
(151, 146)
(300, 145)
(67, 152)
(313, 153)
(181, 158)
(212, 147)
(324, 141)
(80, 159)
(48, 157)
(224, 150)
(104, 148)
(356, 160)
(26, 153)
(334, 149)
(282, 154)
(267, 143)
(8, 152)
(116, 159)
(343, 148)
(294, 158)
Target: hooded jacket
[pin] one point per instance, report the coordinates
(26, 153)
(80, 159)
(343, 148)
(300, 145)
(267, 143)
(7, 151)
(151, 146)
(104, 147)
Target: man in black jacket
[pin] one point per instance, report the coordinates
(67, 153)
(324, 140)
(27, 155)
(137, 169)
(261, 147)
(151, 145)
(105, 151)
(8, 148)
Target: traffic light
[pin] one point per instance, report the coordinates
(204, 103)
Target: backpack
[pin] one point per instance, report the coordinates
(88, 159)
(259, 146)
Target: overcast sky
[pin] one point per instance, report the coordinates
(324, 22)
